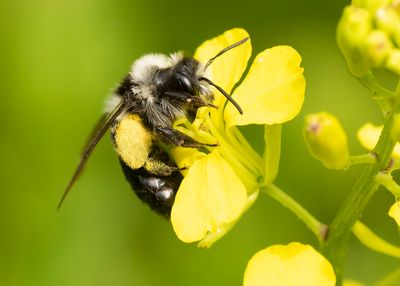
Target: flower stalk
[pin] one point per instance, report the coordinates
(383, 96)
(272, 153)
(317, 227)
(340, 229)
(369, 158)
(387, 181)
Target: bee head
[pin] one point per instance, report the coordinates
(192, 79)
(185, 74)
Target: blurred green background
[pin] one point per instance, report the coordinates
(59, 60)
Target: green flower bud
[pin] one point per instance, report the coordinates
(376, 48)
(326, 140)
(393, 61)
(371, 5)
(353, 27)
(387, 20)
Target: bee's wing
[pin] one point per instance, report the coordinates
(95, 137)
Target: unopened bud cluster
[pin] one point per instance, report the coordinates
(369, 35)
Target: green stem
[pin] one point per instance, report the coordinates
(369, 158)
(242, 167)
(240, 142)
(241, 156)
(383, 96)
(334, 247)
(318, 228)
(272, 153)
(375, 88)
(386, 180)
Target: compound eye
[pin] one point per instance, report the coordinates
(186, 84)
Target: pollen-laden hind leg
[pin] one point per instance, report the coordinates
(158, 167)
(156, 183)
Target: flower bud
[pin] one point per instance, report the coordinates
(393, 61)
(376, 48)
(371, 5)
(353, 27)
(396, 34)
(356, 24)
(387, 20)
(326, 140)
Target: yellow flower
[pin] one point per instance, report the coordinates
(222, 182)
(368, 135)
(294, 264)
(394, 212)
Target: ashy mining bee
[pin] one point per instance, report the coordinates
(140, 113)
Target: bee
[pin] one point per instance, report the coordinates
(140, 114)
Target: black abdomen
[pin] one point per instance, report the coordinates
(156, 191)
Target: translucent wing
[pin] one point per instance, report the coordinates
(95, 137)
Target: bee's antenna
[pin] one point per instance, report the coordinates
(210, 61)
(224, 93)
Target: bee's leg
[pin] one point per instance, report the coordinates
(196, 100)
(173, 137)
(159, 167)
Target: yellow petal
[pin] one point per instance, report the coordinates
(368, 135)
(227, 69)
(394, 212)
(289, 265)
(185, 157)
(273, 90)
(210, 196)
(350, 282)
